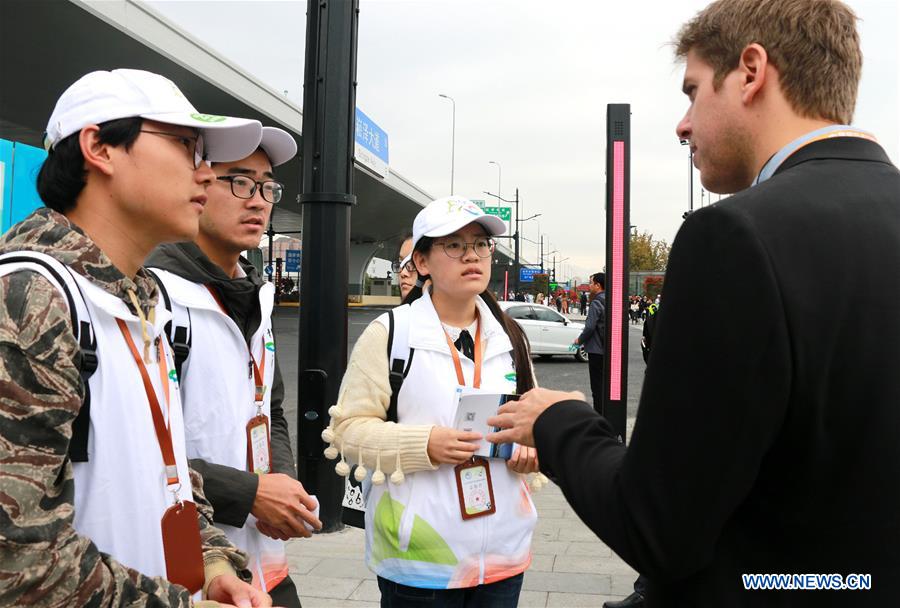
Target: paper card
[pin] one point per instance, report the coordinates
(474, 406)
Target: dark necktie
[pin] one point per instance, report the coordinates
(465, 345)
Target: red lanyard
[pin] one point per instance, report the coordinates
(163, 432)
(258, 370)
(456, 362)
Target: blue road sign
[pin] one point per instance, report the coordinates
(371, 147)
(269, 270)
(526, 273)
(292, 260)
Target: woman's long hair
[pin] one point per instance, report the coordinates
(521, 348)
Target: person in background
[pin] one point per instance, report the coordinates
(593, 337)
(404, 267)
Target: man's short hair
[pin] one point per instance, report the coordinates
(62, 176)
(599, 278)
(813, 44)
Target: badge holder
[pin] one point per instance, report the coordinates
(181, 544)
(474, 487)
(259, 448)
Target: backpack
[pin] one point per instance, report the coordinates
(178, 329)
(62, 278)
(400, 357)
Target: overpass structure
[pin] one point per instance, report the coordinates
(45, 46)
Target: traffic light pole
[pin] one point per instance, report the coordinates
(514, 237)
(542, 254)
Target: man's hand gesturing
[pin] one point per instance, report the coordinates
(517, 418)
(282, 505)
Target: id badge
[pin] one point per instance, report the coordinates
(476, 493)
(259, 451)
(181, 546)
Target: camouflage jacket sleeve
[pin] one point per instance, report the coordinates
(216, 546)
(43, 561)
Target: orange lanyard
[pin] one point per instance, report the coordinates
(458, 364)
(163, 431)
(258, 370)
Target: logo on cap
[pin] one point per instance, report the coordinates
(456, 206)
(207, 117)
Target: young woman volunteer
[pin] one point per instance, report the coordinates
(427, 539)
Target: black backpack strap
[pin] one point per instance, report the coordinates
(400, 355)
(78, 445)
(84, 333)
(178, 329)
(395, 376)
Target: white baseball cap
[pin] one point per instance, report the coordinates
(102, 96)
(278, 145)
(447, 215)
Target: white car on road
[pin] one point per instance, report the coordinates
(549, 332)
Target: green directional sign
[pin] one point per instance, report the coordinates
(502, 212)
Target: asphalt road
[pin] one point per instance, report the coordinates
(563, 373)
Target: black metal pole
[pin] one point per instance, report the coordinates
(329, 102)
(516, 237)
(542, 254)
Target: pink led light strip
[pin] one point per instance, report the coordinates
(617, 267)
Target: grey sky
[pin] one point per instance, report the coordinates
(531, 80)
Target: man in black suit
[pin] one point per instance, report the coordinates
(768, 438)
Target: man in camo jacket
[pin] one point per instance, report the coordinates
(124, 173)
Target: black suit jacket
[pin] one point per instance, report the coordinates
(768, 434)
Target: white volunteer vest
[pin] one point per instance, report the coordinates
(218, 395)
(120, 493)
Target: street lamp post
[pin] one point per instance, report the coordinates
(499, 191)
(452, 140)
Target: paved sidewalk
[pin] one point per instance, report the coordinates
(570, 567)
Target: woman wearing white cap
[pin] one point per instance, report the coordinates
(427, 539)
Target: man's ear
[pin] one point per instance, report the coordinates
(96, 154)
(752, 66)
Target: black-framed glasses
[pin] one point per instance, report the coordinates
(409, 267)
(245, 187)
(192, 143)
(456, 247)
